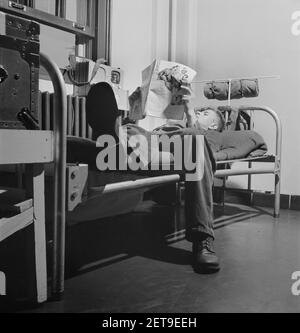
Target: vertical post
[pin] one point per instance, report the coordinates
(277, 195)
(35, 189)
(250, 163)
(39, 231)
(277, 167)
(103, 30)
(60, 127)
(60, 8)
(172, 30)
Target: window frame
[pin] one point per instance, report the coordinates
(96, 37)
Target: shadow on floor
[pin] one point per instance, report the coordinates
(96, 244)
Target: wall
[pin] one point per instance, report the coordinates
(140, 33)
(220, 39)
(247, 38)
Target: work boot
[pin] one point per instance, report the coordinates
(205, 260)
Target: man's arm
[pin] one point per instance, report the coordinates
(135, 105)
(187, 96)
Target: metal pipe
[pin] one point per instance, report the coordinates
(135, 184)
(277, 169)
(240, 78)
(248, 171)
(60, 126)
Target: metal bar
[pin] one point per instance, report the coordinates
(82, 117)
(240, 78)
(76, 115)
(250, 163)
(223, 191)
(277, 169)
(135, 184)
(52, 111)
(60, 122)
(70, 115)
(257, 171)
(263, 158)
(249, 185)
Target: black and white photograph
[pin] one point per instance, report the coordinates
(149, 159)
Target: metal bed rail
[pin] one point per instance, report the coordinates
(59, 194)
(275, 169)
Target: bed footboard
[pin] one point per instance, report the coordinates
(275, 160)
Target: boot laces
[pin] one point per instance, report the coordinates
(207, 244)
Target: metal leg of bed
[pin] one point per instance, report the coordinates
(277, 167)
(223, 192)
(59, 195)
(277, 189)
(277, 196)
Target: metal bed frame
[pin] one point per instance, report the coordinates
(274, 161)
(59, 193)
(60, 126)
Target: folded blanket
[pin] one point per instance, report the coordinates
(229, 145)
(239, 89)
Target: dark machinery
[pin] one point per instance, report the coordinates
(19, 72)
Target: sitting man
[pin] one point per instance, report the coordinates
(103, 117)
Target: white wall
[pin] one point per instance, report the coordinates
(140, 33)
(221, 39)
(248, 38)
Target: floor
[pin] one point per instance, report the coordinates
(258, 256)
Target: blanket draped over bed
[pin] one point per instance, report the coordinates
(230, 145)
(226, 145)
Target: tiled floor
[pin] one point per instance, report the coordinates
(258, 255)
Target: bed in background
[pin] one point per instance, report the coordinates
(241, 118)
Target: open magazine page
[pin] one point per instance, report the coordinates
(161, 82)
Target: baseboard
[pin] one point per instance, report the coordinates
(295, 202)
(254, 198)
(266, 199)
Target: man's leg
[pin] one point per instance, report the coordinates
(199, 200)
(199, 219)
(199, 204)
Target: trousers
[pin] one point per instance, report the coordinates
(198, 179)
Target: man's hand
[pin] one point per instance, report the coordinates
(135, 96)
(187, 95)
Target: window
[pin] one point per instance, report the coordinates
(80, 27)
